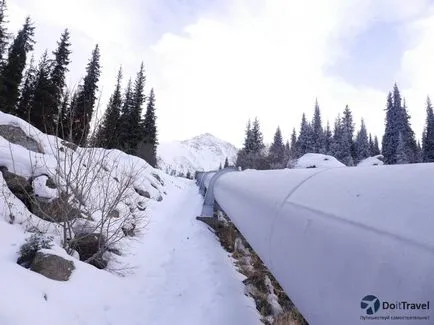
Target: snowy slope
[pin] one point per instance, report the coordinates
(173, 271)
(203, 152)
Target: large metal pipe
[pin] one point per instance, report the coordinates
(334, 236)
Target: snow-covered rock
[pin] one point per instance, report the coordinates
(372, 161)
(201, 153)
(315, 160)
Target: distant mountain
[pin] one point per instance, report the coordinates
(203, 152)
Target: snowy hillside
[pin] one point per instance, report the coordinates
(161, 266)
(203, 152)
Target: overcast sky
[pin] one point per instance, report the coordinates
(216, 63)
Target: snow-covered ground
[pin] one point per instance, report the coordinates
(315, 160)
(175, 273)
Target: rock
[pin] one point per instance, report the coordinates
(129, 230)
(19, 186)
(52, 266)
(142, 193)
(158, 178)
(159, 198)
(69, 145)
(56, 210)
(15, 135)
(50, 183)
(141, 206)
(90, 246)
(113, 214)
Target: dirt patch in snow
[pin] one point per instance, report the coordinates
(271, 301)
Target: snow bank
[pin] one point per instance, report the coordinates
(372, 161)
(315, 160)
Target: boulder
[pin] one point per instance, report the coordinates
(69, 145)
(142, 193)
(52, 266)
(90, 248)
(18, 185)
(56, 210)
(15, 135)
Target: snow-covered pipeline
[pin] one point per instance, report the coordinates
(334, 236)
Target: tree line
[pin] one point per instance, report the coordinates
(38, 94)
(398, 146)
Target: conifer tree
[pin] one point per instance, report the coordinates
(137, 100)
(362, 143)
(149, 142)
(305, 139)
(83, 103)
(64, 117)
(108, 129)
(251, 156)
(27, 92)
(398, 122)
(41, 114)
(57, 77)
(401, 152)
(376, 146)
(428, 135)
(328, 139)
(257, 138)
(124, 120)
(277, 151)
(293, 153)
(317, 131)
(12, 71)
(226, 165)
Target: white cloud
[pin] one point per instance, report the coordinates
(264, 58)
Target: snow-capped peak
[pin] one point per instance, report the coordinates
(202, 152)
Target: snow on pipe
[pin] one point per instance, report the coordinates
(334, 236)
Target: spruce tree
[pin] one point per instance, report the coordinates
(376, 146)
(293, 153)
(138, 98)
(305, 140)
(124, 120)
(108, 129)
(257, 138)
(408, 135)
(276, 154)
(362, 143)
(27, 92)
(328, 139)
(317, 131)
(401, 156)
(248, 140)
(83, 103)
(226, 165)
(391, 134)
(342, 145)
(12, 71)
(57, 77)
(398, 122)
(348, 133)
(428, 135)
(149, 142)
(251, 155)
(41, 114)
(64, 117)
